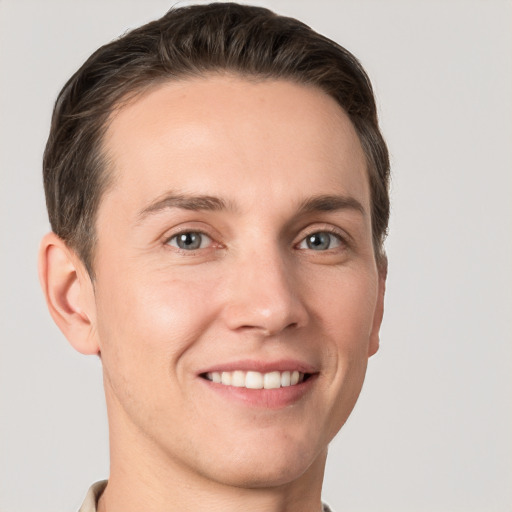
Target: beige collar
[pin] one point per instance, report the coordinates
(93, 495)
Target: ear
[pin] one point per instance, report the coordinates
(379, 308)
(69, 293)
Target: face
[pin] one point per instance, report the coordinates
(237, 297)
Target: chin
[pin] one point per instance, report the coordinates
(266, 465)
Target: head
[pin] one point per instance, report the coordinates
(217, 187)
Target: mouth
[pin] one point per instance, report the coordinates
(257, 380)
(267, 385)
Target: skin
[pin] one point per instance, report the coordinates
(254, 290)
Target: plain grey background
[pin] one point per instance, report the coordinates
(433, 428)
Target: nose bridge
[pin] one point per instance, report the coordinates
(263, 293)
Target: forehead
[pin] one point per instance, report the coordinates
(215, 134)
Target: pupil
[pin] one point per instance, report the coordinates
(189, 241)
(319, 241)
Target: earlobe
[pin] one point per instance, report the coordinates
(69, 294)
(379, 309)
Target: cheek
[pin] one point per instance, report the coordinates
(346, 312)
(149, 321)
(345, 302)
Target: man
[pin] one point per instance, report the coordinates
(216, 183)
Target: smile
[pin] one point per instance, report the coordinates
(257, 380)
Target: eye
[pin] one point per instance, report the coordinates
(320, 241)
(190, 241)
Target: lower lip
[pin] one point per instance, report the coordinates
(264, 398)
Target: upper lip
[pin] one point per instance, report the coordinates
(281, 365)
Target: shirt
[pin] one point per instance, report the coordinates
(91, 500)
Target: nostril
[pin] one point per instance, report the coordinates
(268, 330)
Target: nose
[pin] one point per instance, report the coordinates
(263, 295)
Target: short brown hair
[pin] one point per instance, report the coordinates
(187, 42)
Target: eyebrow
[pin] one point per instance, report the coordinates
(322, 203)
(185, 202)
(327, 203)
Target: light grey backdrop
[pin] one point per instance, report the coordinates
(433, 428)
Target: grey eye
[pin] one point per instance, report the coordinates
(320, 241)
(190, 241)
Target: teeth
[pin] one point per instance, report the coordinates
(226, 378)
(238, 379)
(285, 379)
(272, 380)
(256, 380)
